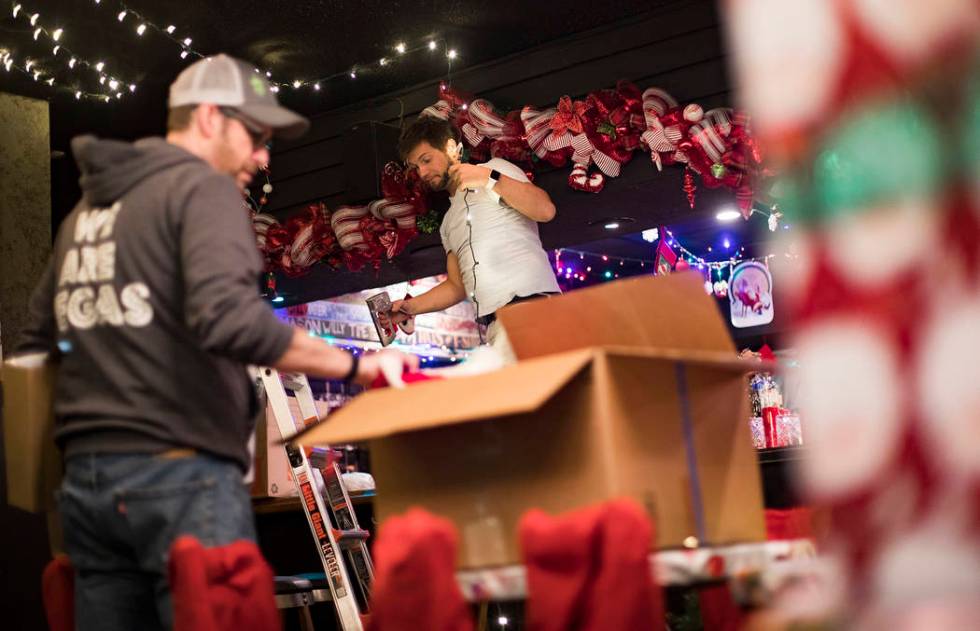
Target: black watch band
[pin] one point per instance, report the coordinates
(355, 361)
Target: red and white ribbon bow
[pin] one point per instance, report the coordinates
(586, 152)
(540, 132)
(442, 109)
(484, 123)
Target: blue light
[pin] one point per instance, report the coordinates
(608, 274)
(727, 243)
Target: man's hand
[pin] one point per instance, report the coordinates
(469, 176)
(370, 366)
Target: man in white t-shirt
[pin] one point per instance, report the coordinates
(490, 232)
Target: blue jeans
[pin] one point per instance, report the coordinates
(121, 513)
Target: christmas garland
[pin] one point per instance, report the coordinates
(603, 131)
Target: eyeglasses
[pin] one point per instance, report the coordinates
(259, 136)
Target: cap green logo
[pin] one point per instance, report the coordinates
(258, 86)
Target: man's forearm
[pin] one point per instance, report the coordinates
(442, 296)
(314, 357)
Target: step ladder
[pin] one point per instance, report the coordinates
(336, 531)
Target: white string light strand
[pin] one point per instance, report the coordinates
(8, 63)
(400, 50)
(72, 60)
(361, 69)
(128, 15)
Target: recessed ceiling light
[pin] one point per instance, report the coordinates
(607, 222)
(729, 214)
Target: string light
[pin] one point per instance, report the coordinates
(28, 69)
(56, 35)
(186, 49)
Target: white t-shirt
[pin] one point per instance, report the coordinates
(506, 245)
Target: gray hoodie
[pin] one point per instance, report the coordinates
(151, 299)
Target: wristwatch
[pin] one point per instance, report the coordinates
(491, 183)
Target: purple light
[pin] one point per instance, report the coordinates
(727, 243)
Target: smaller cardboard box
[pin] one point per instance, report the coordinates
(33, 462)
(273, 474)
(627, 389)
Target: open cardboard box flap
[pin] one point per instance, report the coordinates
(662, 312)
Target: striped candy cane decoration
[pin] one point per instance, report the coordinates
(402, 213)
(346, 224)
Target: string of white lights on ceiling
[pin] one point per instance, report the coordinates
(126, 14)
(9, 63)
(400, 49)
(56, 35)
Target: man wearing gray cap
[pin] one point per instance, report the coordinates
(151, 304)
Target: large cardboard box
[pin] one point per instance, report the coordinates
(628, 389)
(33, 463)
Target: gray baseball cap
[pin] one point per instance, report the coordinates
(229, 82)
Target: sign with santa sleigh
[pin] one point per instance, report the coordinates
(750, 294)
